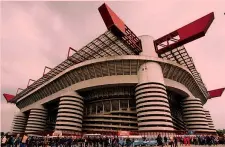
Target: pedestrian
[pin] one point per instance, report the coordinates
(10, 142)
(17, 140)
(185, 140)
(4, 141)
(159, 140)
(45, 141)
(24, 141)
(171, 141)
(175, 142)
(165, 140)
(181, 141)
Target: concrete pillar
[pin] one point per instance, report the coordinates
(37, 120)
(70, 113)
(210, 122)
(19, 123)
(148, 48)
(153, 111)
(194, 115)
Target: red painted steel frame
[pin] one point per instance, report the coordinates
(111, 19)
(8, 97)
(216, 93)
(119, 28)
(186, 34)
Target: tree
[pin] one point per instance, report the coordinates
(220, 132)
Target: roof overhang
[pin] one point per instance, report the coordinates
(107, 44)
(216, 93)
(8, 97)
(185, 34)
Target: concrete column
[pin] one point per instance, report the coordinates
(119, 105)
(152, 103)
(210, 122)
(110, 105)
(194, 115)
(19, 123)
(103, 107)
(37, 120)
(148, 48)
(70, 113)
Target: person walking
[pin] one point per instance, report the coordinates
(175, 142)
(4, 141)
(10, 142)
(17, 140)
(165, 141)
(45, 141)
(181, 141)
(24, 141)
(159, 140)
(171, 141)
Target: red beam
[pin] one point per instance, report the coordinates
(111, 19)
(186, 34)
(8, 97)
(216, 93)
(119, 28)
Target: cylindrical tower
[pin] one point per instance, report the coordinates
(37, 120)
(152, 104)
(194, 115)
(19, 123)
(70, 113)
(210, 122)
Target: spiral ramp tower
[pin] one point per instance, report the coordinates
(37, 120)
(210, 122)
(194, 115)
(70, 113)
(19, 123)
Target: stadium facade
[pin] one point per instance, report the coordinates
(120, 82)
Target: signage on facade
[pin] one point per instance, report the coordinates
(123, 133)
(57, 133)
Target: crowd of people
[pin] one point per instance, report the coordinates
(58, 141)
(187, 140)
(104, 141)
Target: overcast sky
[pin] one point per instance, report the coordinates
(38, 34)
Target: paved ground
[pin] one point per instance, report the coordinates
(186, 146)
(200, 146)
(178, 146)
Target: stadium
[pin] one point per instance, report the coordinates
(120, 82)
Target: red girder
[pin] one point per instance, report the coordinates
(119, 28)
(215, 93)
(185, 34)
(111, 19)
(8, 97)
